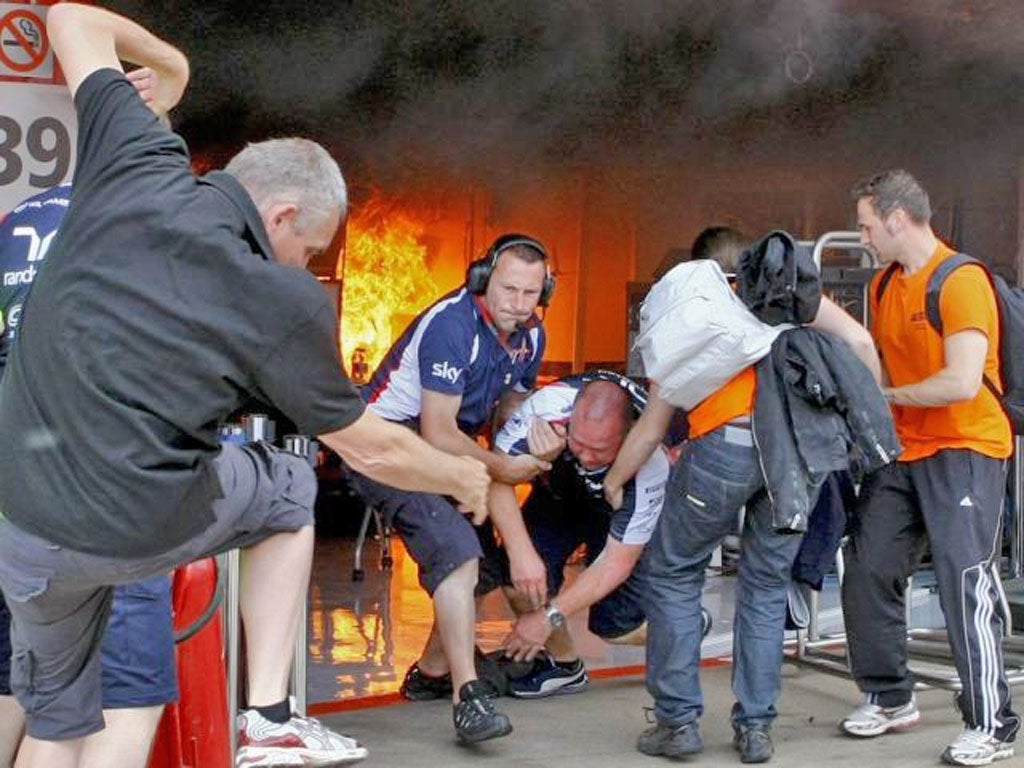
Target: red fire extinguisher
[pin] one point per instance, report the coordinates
(193, 733)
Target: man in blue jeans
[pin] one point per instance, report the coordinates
(717, 474)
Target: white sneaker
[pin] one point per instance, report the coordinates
(976, 748)
(267, 759)
(264, 743)
(872, 720)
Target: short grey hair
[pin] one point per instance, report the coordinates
(293, 170)
(895, 189)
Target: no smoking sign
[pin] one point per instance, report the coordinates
(24, 48)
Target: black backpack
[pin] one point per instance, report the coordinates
(1010, 302)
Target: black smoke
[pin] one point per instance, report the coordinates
(464, 87)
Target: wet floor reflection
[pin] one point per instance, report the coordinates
(364, 635)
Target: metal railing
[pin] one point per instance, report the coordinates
(233, 652)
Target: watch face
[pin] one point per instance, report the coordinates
(555, 618)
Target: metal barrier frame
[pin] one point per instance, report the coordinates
(232, 647)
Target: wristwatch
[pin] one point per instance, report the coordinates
(555, 617)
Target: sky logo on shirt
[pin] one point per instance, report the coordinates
(445, 371)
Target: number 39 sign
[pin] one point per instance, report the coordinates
(37, 118)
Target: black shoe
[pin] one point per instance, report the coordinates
(418, 686)
(491, 672)
(475, 718)
(754, 742)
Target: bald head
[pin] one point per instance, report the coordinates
(599, 423)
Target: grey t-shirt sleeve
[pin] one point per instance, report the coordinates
(303, 377)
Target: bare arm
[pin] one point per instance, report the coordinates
(439, 426)
(529, 575)
(395, 456)
(833, 319)
(609, 570)
(86, 39)
(959, 379)
(642, 440)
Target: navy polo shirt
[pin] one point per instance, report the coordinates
(453, 348)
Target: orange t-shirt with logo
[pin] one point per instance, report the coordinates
(733, 400)
(912, 350)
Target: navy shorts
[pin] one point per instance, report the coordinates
(60, 599)
(438, 537)
(138, 647)
(557, 527)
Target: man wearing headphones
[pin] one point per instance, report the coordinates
(473, 351)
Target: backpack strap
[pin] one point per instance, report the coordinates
(934, 293)
(883, 281)
(936, 281)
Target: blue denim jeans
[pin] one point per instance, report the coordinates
(715, 476)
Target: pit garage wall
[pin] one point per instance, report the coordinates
(604, 231)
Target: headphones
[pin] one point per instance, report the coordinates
(478, 273)
(637, 394)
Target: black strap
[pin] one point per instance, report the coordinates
(938, 279)
(934, 294)
(884, 280)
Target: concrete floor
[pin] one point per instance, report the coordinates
(599, 728)
(363, 635)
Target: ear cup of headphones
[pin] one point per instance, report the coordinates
(548, 290)
(477, 275)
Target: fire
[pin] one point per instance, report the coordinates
(385, 279)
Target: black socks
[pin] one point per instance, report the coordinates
(276, 713)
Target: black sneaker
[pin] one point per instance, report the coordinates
(419, 686)
(475, 718)
(548, 678)
(754, 742)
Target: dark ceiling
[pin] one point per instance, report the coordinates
(404, 90)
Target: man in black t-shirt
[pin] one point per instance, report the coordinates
(166, 303)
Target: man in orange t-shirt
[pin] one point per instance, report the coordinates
(947, 485)
(717, 474)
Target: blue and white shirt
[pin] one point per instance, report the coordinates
(643, 495)
(25, 236)
(453, 348)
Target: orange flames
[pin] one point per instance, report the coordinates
(385, 279)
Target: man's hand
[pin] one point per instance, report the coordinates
(86, 39)
(529, 575)
(613, 494)
(155, 90)
(472, 491)
(546, 441)
(520, 469)
(528, 636)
